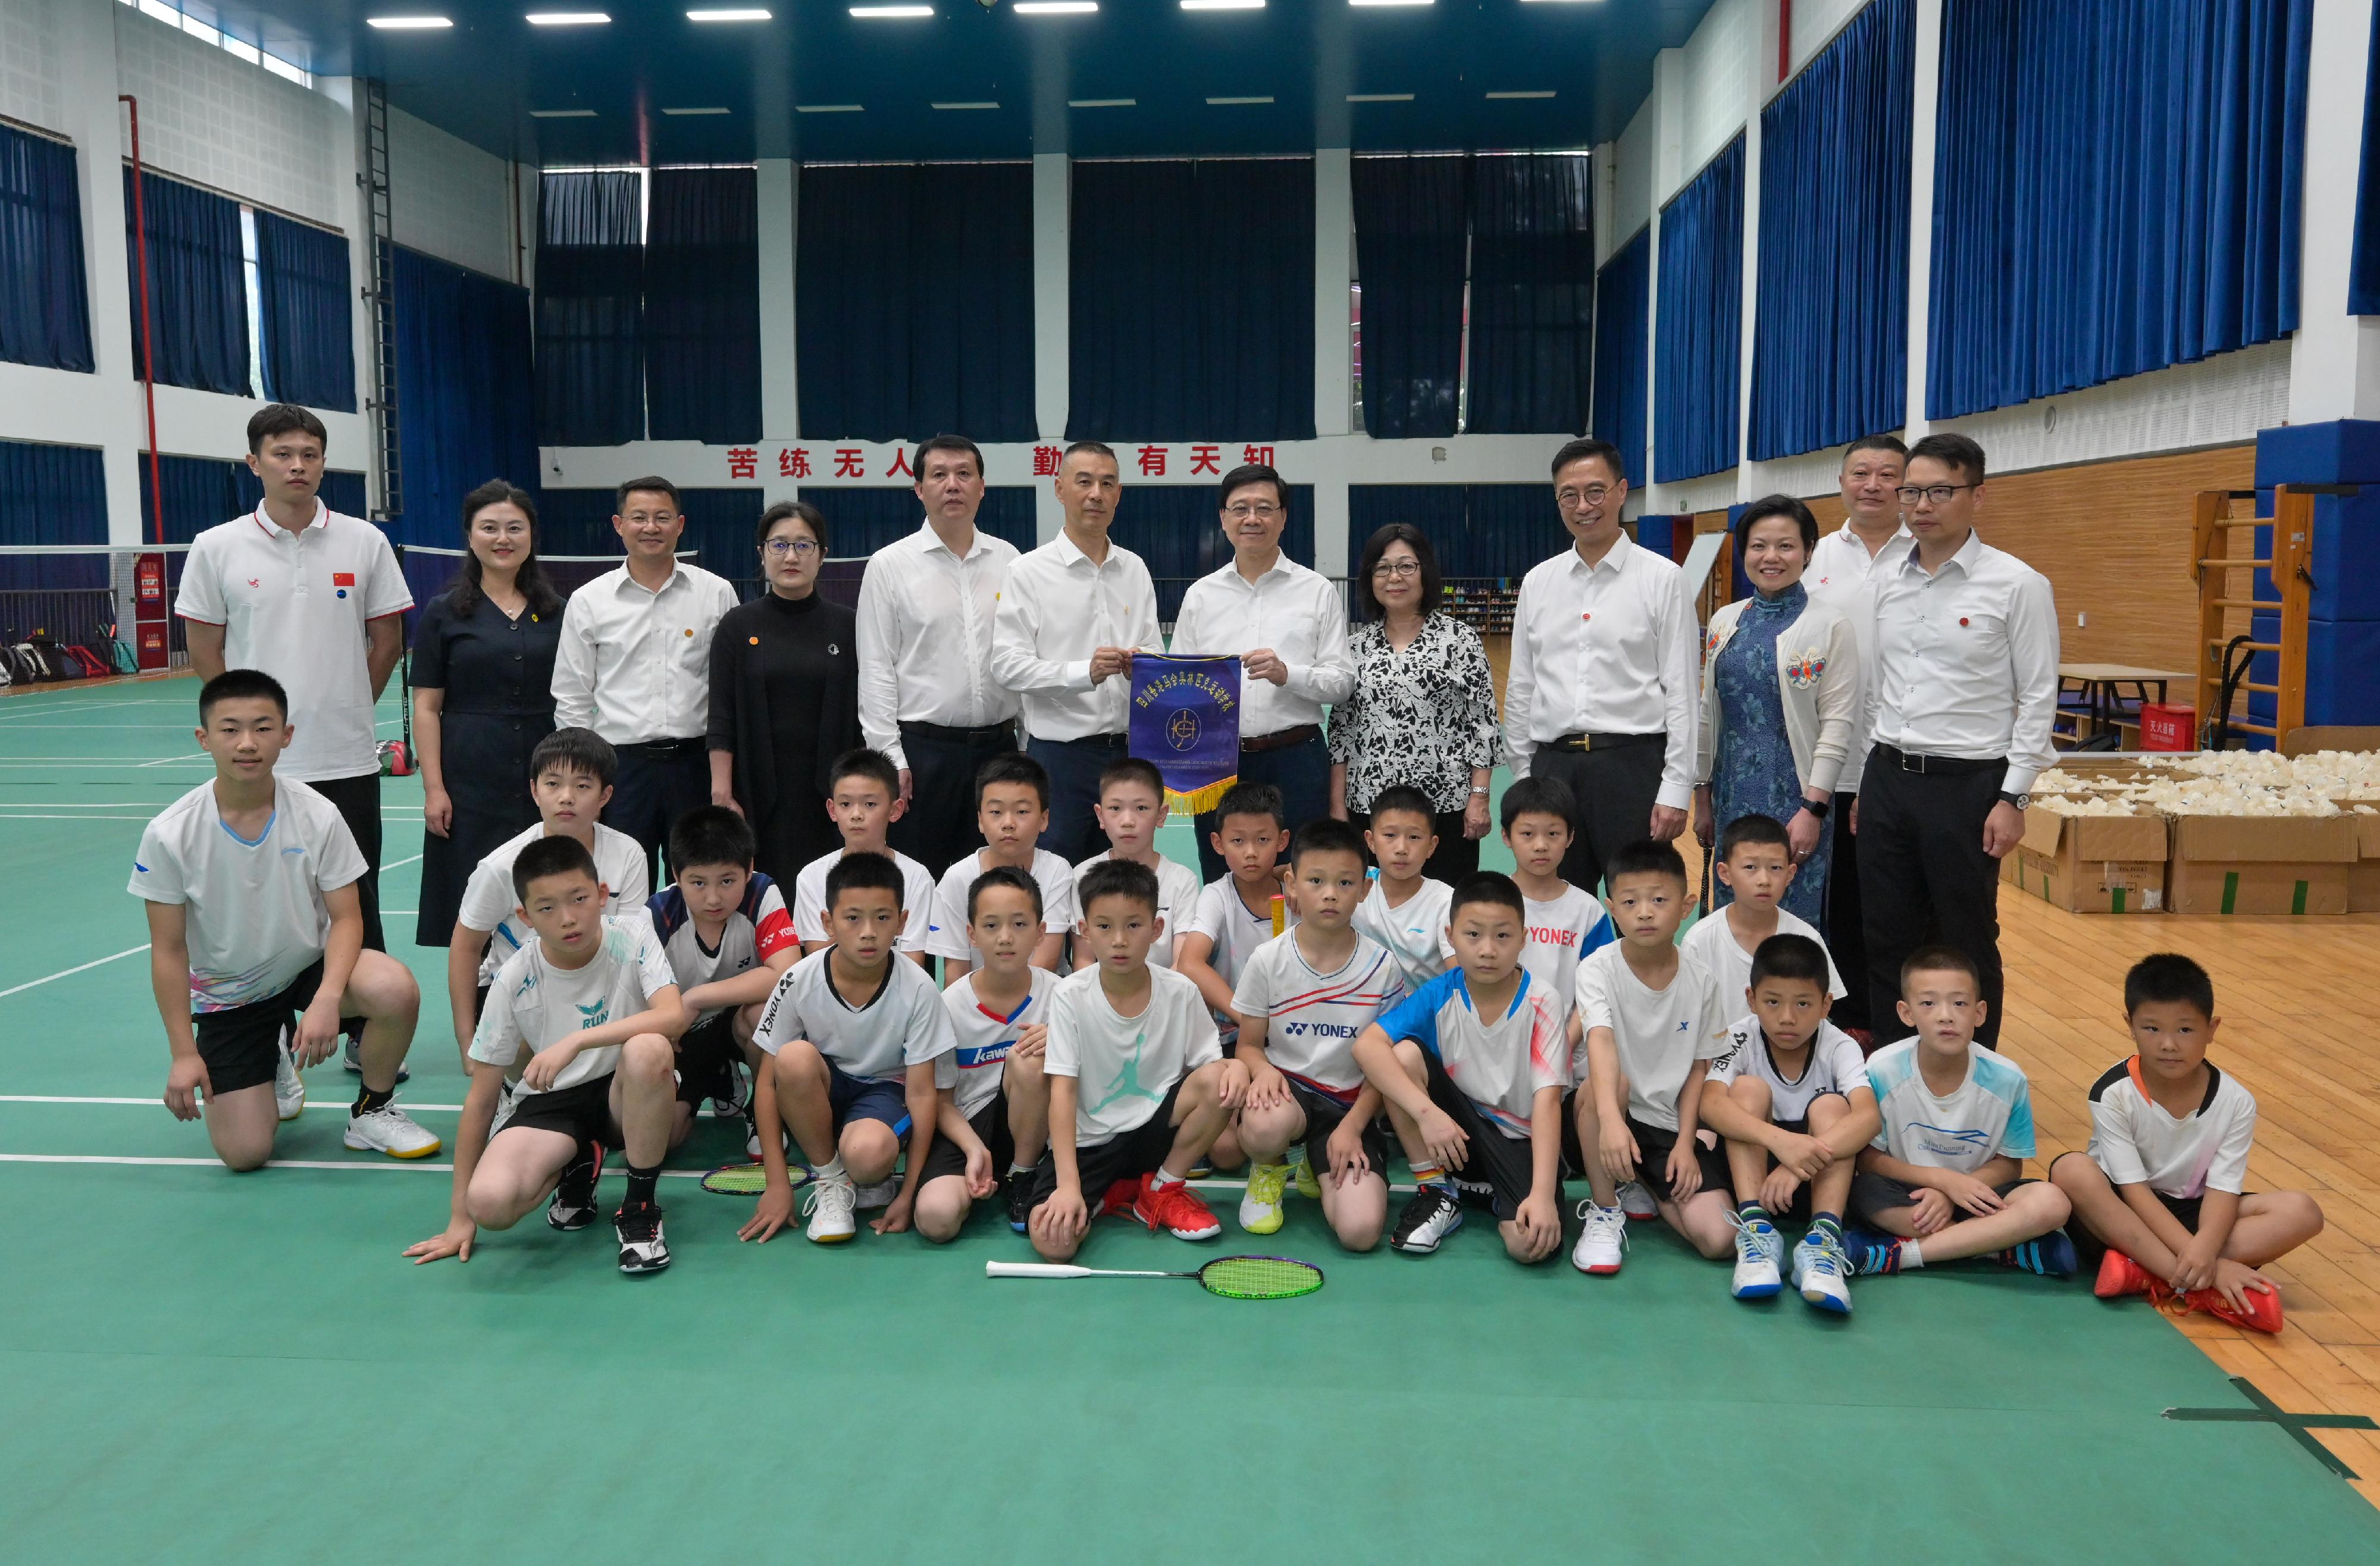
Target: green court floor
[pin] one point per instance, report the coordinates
(200, 1367)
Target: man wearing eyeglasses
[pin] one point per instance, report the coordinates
(1959, 705)
(1288, 627)
(1603, 691)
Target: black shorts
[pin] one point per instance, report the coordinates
(706, 1057)
(1323, 1116)
(2090, 1249)
(1128, 1155)
(990, 1123)
(582, 1110)
(1873, 1193)
(1498, 1170)
(1797, 1210)
(241, 1046)
(1653, 1144)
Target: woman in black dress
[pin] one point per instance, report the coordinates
(785, 696)
(482, 676)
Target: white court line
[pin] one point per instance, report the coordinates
(404, 1164)
(62, 973)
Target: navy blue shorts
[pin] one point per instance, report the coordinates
(857, 1098)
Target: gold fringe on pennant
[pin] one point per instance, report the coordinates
(1199, 801)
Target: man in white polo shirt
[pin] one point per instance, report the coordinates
(313, 599)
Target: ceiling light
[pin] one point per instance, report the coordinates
(566, 18)
(747, 14)
(1520, 95)
(1377, 97)
(889, 13)
(1569, 2)
(1055, 7)
(1222, 4)
(562, 114)
(981, 105)
(394, 24)
(1102, 103)
(1393, 2)
(1222, 100)
(695, 111)
(827, 108)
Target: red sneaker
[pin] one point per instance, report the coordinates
(1120, 1198)
(2263, 1315)
(2119, 1275)
(1177, 1209)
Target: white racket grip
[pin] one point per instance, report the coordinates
(1032, 1270)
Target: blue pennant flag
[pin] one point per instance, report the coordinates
(1185, 718)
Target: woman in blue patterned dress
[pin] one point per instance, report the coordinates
(1781, 701)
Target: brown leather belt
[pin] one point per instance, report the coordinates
(1280, 739)
(1604, 742)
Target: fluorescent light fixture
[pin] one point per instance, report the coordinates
(683, 111)
(566, 18)
(1561, 2)
(409, 24)
(979, 105)
(1222, 4)
(1378, 97)
(889, 13)
(562, 114)
(1507, 95)
(828, 108)
(1102, 103)
(1055, 7)
(746, 14)
(1393, 2)
(1222, 100)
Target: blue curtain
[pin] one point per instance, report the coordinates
(1623, 313)
(2117, 189)
(1412, 251)
(702, 306)
(914, 290)
(861, 521)
(1698, 346)
(2363, 274)
(1192, 300)
(465, 393)
(304, 291)
(1830, 337)
(590, 309)
(197, 286)
(719, 526)
(1491, 530)
(51, 495)
(1175, 531)
(1532, 293)
(44, 308)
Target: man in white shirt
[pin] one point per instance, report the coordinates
(315, 600)
(634, 666)
(1604, 690)
(1288, 627)
(928, 699)
(1840, 574)
(1071, 617)
(1964, 686)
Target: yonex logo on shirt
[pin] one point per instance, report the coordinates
(1552, 935)
(1319, 1030)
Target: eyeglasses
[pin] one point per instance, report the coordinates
(1572, 500)
(1387, 570)
(1262, 510)
(801, 549)
(1938, 493)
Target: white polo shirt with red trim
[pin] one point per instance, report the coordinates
(295, 605)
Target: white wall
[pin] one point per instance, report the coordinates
(33, 63)
(1719, 61)
(449, 199)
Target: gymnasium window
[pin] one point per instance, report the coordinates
(224, 41)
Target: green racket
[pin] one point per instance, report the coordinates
(1234, 1277)
(747, 1179)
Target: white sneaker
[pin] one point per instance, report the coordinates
(831, 1205)
(1821, 1274)
(1637, 1202)
(508, 1098)
(389, 1129)
(289, 1088)
(1758, 1248)
(868, 1198)
(1603, 1245)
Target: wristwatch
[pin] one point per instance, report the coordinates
(2022, 801)
(1819, 807)
(1477, 791)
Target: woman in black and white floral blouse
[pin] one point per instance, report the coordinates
(1424, 711)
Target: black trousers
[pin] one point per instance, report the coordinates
(1615, 791)
(357, 801)
(1846, 936)
(1925, 878)
(659, 783)
(1074, 766)
(1456, 855)
(939, 828)
(1302, 772)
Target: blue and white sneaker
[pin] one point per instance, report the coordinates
(1870, 1252)
(1821, 1271)
(1758, 1248)
(2052, 1255)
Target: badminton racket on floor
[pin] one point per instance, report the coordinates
(747, 1179)
(1234, 1277)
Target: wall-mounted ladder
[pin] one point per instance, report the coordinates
(2224, 654)
(381, 298)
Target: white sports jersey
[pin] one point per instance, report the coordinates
(1177, 897)
(255, 914)
(489, 903)
(923, 917)
(1221, 915)
(1414, 931)
(1989, 1115)
(1559, 933)
(1661, 1033)
(1125, 1067)
(1835, 1066)
(1500, 1063)
(1051, 874)
(2135, 1142)
(1313, 1018)
(757, 929)
(900, 1026)
(537, 1002)
(972, 1073)
(1730, 965)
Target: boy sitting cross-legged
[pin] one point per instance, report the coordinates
(864, 798)
(593, 1003)
(1131, 807)
(729, 936)
(1755, 860)
(1138, 1086)
(1406, 910)
(1012, 810)
(1652, 1024)
(1473, 1067)
(853, 1034)
(1792, 1098)
(255, 923)
(994, 1100)
(1304, 996)
(1945, 1177)
(2160, 1191)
